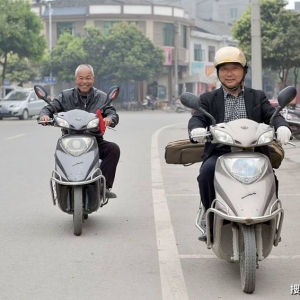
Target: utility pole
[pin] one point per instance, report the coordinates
(176, 60)
(256, 46)
(50, 44)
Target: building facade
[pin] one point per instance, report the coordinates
(189, 46)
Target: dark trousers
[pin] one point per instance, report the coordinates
(206, 180)
(109, 153)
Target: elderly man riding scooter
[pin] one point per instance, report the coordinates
(86, 97)
(230, 102)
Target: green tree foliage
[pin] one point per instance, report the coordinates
(65, 57)
(124, 53)
(280, 37)
(94, 47)
(20, 70)
(130, 55)
(20, 32)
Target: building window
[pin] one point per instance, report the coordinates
(198, 53)
(65, 27)
(211, 53)
(168, 34)
(107, 25)
(233, 13)
(184, 36)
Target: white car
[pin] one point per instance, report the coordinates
(21, 103)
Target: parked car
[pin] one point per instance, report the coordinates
(21, 103)
(5, 89)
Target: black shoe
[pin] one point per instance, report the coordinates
(203, 237)
(110, 194)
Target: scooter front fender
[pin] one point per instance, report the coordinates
(244, 200)
(76, 168)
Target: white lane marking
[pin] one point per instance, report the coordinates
(171, 275)
(205, 256)
(16, 136)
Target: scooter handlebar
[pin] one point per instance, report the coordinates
(46, 123)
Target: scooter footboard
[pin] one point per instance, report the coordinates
(226, 230)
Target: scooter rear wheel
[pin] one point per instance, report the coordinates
(248, 258)
(77, 213)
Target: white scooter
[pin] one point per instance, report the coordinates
(247, 215)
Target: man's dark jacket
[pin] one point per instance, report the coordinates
(258, 109)
(71, 99)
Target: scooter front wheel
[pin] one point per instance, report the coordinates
(248, 258)
(77, 213)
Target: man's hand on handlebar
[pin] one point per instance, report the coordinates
(44, 120)
(107, 121)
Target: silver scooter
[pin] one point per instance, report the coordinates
(77, 183)
(247, 216)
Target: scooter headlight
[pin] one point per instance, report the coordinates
(266, 138)
(93, 124)
(223, 137)
(62, 122)
(76, 146)
(245, 170)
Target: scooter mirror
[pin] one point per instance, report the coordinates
(191, 100)
(41, 93)
(286, 96)
(112, 94)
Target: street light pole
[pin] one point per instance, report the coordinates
(256, 46)
(50, 43)
(176, 59)
(50, 26)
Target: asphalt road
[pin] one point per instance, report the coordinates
(142, 245)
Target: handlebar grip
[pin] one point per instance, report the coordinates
(49, 123)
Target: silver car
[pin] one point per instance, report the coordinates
(21, 103)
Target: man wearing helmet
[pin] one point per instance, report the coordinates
(230, 102)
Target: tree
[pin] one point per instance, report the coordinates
(124, 52)
(93, 45)
(20, 70)
(20, 32)
(65, 57)
(280, 32)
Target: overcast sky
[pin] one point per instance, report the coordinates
(291, 4)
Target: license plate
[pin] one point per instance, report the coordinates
(4, 111)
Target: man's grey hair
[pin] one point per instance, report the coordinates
(84, 65)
